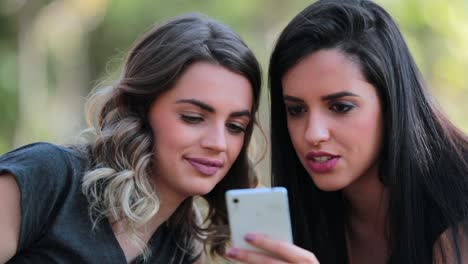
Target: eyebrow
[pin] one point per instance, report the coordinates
(328, 97)
(210, 109)
(198, 103)
(337, 95)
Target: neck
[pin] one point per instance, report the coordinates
(169, 202)
(366, 226)
(367, 199)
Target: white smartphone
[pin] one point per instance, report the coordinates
(260, 210)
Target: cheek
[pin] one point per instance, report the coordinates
(171, 133)
(235, 146)
(372, 125)
(365, 132)
(296, 133)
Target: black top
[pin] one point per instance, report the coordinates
(55, 224)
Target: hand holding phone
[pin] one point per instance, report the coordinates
(261, 210)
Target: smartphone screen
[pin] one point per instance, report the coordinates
(261, 210)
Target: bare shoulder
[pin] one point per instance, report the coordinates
(10, 218)
(452, 245)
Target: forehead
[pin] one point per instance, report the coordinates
(212, 84)
(324, 69)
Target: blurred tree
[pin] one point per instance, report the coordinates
(437, 32)
(55, 51)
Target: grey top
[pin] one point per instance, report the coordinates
(55, 225)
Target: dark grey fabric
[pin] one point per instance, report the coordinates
(55, 226)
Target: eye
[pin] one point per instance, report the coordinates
(191, 119)
(235, 128)
(340, 107)
(295, 110)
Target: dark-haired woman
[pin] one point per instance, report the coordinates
(166, 131)
(375, 172)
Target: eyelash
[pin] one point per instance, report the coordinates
(336, 107)
(190, 119)
(345, 107)
(295, 110)
(233, 128)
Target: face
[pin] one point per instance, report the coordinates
(334, 119)
(198, 128)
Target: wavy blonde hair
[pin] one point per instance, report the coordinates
(118, 186)
(121, 152)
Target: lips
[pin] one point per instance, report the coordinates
(321, 162)
(205, 166)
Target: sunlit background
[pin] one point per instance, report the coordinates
(52, 53)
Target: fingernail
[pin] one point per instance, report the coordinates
(232, 253)
(249, 237)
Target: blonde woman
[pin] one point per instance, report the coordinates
(175, 125)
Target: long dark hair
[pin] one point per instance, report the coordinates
(121, 154)
(423, 163)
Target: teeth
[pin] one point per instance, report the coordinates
(322, 159)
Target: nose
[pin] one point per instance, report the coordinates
(317, 130)
(215, 138)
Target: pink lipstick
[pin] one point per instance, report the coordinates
(205, 166)
(321, 162)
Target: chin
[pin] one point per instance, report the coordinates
(329, 186)
(200, 190)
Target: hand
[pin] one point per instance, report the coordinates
(284, 252)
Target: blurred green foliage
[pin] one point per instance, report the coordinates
(53, 52)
